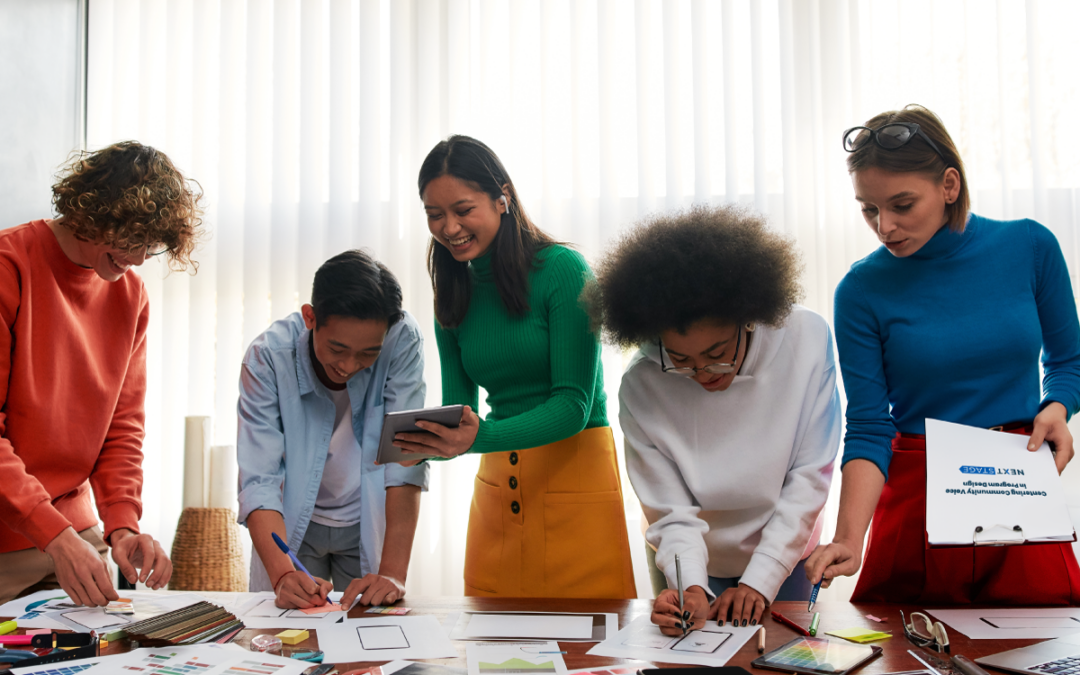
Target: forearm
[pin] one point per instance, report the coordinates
(556, 419)
(262, 523)
(402, 514)
(860, 490)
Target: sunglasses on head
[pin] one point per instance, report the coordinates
(889, 136)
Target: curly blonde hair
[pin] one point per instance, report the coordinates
(129, 195)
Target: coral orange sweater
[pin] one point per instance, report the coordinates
(72, 384)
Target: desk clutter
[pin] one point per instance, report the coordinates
(168, 633)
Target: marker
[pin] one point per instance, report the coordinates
(814, 623)
(8, 627)
(813, 594)
(777, 616)
(678, 580)
(296, 561)
(761, 640)
(16, 639)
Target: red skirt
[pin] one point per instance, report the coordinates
(900, 567)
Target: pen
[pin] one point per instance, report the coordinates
(813, 594)
(761, 640)
(777, 616)
(678, 581)
(296, 561)
(814, 623)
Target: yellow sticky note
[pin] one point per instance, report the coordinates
(859, 635)
(293, 637)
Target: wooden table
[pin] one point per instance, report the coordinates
(834, 615)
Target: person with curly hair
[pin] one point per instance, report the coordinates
(508, 320)
(729, 409)
(73, 368)
(949, 319)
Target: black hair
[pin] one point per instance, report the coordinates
(354, 284)
(513, 249)
(718, 263)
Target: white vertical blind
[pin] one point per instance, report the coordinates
(306, 122)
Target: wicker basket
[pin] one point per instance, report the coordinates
(206, 553)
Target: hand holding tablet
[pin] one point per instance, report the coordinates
(412, 435)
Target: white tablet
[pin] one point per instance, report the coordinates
(405, 421)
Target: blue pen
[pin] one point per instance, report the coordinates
(296, 561)
(813, 594)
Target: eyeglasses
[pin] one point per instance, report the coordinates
(712, 368)
(890, 136)
(932, 635)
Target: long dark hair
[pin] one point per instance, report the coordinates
(513, 249)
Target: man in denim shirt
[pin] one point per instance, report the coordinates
(313, 391)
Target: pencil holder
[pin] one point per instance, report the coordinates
(206, 553)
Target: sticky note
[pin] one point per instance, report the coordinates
(859, 635)
(293, 637)
(876, 618)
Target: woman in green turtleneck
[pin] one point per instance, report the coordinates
(547, 516)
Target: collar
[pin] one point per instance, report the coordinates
(481, 267)
(305, 370)
(946, 242)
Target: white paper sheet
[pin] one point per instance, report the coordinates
(977, 478)
(32, 611)
(1018, 623)
(384, 638)
(530, 626)
(512, 658)
(260, 612)
(602, 625)
(209, 659)
(710, 646)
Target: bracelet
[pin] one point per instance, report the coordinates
(280, 579)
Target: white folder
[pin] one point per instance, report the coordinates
(986, 488)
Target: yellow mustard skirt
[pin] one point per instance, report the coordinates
(548, 522)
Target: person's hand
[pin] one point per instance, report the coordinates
(1051, 425)
(838, 559)
(377, 589)
(441, 441)
(81, 572)
(295, 590)
(140, 552)
(666, 615)
(744, 604)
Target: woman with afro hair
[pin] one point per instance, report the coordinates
(729, 408)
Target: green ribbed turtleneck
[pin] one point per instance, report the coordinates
(541, 371)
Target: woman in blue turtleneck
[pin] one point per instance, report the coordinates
(947, 321)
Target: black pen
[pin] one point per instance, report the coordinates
(678, 580)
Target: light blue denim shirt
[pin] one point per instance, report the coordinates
(286, 418)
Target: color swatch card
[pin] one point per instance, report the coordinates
(510, 658)
(197, 660)
(713, 645)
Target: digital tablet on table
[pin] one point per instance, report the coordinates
(817, 656)
(405, 421)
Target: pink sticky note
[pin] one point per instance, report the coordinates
(329, 607)
(39, 631)
(874, 618)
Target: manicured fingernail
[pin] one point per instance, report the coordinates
(720, 622)
(744, 623)
(686, 614)
(753, 622)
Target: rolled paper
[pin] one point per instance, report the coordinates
(196, 461)
(224, 474)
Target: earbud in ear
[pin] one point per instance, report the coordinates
(506, 204)
(750, 327)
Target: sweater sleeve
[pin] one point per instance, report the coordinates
(117, 475)
(574, 352)
(806, 486)
(675, 527)
(457, 387)
(24, 501)
(870, 427)
(1057, 319)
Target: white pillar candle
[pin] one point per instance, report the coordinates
(196, 461)
(224, 475)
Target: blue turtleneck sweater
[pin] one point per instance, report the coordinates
(954, 332)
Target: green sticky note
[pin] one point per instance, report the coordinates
(859, 635)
